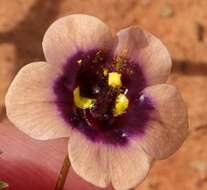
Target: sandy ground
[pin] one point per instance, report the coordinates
(182, 26)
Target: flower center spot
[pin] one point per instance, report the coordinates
(97, 95)
(99, 91)
(109, 101)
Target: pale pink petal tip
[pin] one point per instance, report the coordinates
(168, 129)
(30, 103)
(128, 166)
(89, 160)
(102, 165)
(73, 33)
(146, 50)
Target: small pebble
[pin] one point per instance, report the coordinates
(199, 32)
(146, 2)
(199, 165)
(166, 11)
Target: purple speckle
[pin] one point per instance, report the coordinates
(98, 123)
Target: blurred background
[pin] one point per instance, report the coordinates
(180, 24)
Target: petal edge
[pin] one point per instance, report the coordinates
(146, 50)
(30, 103)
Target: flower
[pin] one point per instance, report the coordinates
(106, 94)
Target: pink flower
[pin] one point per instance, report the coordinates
(106, 94)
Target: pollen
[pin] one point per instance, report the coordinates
(105, 72)
(121, 105)
(79, 61)
(82, 102)
(114, 79)
(119, 63)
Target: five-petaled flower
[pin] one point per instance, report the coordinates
(106, 94)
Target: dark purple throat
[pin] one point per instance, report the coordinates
(86, 71)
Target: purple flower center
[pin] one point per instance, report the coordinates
(88, 71)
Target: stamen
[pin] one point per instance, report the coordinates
(114, 79)
(121, 105)
(82, 102)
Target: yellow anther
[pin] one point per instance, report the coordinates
(114, 79)
(105, 72)
(82, 102)
(79, 61)
(121, 105)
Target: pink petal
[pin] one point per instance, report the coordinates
(169, 126)
(128, 166)
(75, 182)
(148, 51)
(89, 159)
(30, 103)
(30, 164)
(74, 33)
(100, 164)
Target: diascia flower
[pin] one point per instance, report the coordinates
(106, 94)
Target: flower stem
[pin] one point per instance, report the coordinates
(63, 174)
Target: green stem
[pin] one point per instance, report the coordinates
(63, 174)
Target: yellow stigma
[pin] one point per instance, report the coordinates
(82, 102)
(121, 105)
(114, 79)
